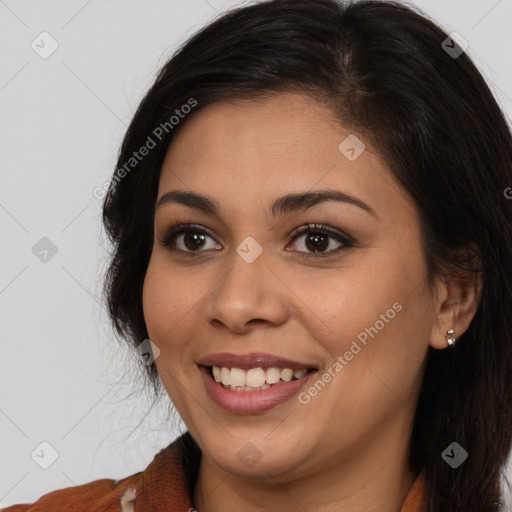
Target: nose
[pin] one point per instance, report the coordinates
(247, 295)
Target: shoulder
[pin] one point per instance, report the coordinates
(100, 495)
(168, 479)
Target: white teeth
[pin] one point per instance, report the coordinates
(217, 373)
(225, 376)
(237, 377)
(255, 378)
(247, 388)
(287, 374)
(298, 374)
(273, 375)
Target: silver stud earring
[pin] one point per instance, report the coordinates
(450, 339)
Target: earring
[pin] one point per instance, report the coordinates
(450, 339)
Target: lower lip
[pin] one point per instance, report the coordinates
(251, 402)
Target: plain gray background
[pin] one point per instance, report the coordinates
(64, 380)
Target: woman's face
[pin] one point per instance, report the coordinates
(359, 312)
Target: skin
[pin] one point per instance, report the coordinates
(345, 450)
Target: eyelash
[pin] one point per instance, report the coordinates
(180, 229)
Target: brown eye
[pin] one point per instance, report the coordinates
(318, 239)
(316, 242)
(192, 239)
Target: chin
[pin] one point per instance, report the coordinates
(254, 455)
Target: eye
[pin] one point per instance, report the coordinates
(317, 239)
(192, 237)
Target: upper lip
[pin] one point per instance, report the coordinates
(252, 360)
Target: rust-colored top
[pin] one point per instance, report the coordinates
(162, 487)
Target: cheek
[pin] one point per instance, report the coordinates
(374, 366)
(155, 298)
(337, 306)
(167, 299)
(377, 319)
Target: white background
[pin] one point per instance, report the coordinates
(63, 378)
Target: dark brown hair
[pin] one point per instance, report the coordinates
(382, 68)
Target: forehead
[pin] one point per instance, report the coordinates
(248, 151)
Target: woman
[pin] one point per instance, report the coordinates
(310, 223)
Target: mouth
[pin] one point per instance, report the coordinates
(255, 379)
(227, 389)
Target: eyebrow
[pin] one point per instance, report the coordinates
(281, 206)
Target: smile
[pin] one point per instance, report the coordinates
(267, 387)
(255, 379)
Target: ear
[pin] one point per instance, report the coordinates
(456, 302)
